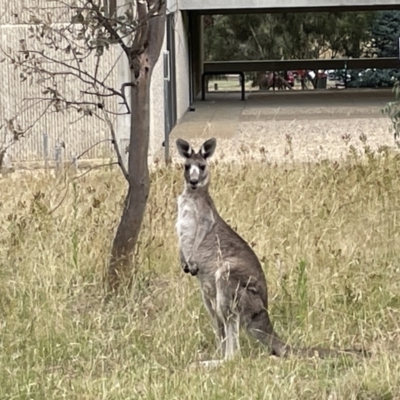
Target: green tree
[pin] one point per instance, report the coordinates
(287, 35)
(241, 37)
(385, 30)
(383, 36)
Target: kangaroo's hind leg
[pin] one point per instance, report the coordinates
(219, 328)
(226, 318)
(228, 312)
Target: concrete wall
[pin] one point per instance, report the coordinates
(281, 4)
(196, 43)
(182, 64)
(78, 134)
(157, 114)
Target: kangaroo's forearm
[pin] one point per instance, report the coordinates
(184, 264)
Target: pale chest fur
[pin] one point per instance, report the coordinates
(187, 222)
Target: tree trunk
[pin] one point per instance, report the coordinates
(142, 65)
(120, 267)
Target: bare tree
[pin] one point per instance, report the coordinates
(65, 49)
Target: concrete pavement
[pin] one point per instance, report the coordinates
(221, 114)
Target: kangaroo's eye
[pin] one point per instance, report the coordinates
(202, 167)
(187, 167)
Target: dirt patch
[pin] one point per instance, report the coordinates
(299, 141)
(282, 128)
(305, 113)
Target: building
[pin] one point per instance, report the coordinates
(184, 45)
(176, 80)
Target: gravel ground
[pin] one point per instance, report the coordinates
(278, 141)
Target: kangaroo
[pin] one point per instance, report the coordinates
(232, 282)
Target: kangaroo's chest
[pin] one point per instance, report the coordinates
(187, 221)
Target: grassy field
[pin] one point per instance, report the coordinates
(328, 237)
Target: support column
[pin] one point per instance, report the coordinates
(197, 50)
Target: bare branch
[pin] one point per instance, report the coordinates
(96, 68)
(62, 200)
(123, 86)
(113, 66)
(94, 167)
(97, 94)
(42, 114)
(106, 23)
(116, 148)
(78, 71)
(75, 178)
(255, 37)
(92, 147)
(74, 104)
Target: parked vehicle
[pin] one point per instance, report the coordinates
(337, 75)
(331, 73)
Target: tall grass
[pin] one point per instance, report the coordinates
(328, 238)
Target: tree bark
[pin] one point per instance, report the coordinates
(142, 65)
(127, 234)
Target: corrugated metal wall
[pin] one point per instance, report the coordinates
(16, 97)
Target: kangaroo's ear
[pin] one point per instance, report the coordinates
(184, 148)
(208, 148)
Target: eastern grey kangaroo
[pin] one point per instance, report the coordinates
(231, 278)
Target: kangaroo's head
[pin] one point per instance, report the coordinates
(197, 174)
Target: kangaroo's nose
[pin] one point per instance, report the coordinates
(194, 181)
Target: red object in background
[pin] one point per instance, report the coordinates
(302, 73)
(289, 77)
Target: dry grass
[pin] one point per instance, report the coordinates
(339, 220)
(297, 141)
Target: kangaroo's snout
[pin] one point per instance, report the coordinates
(193, 183)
